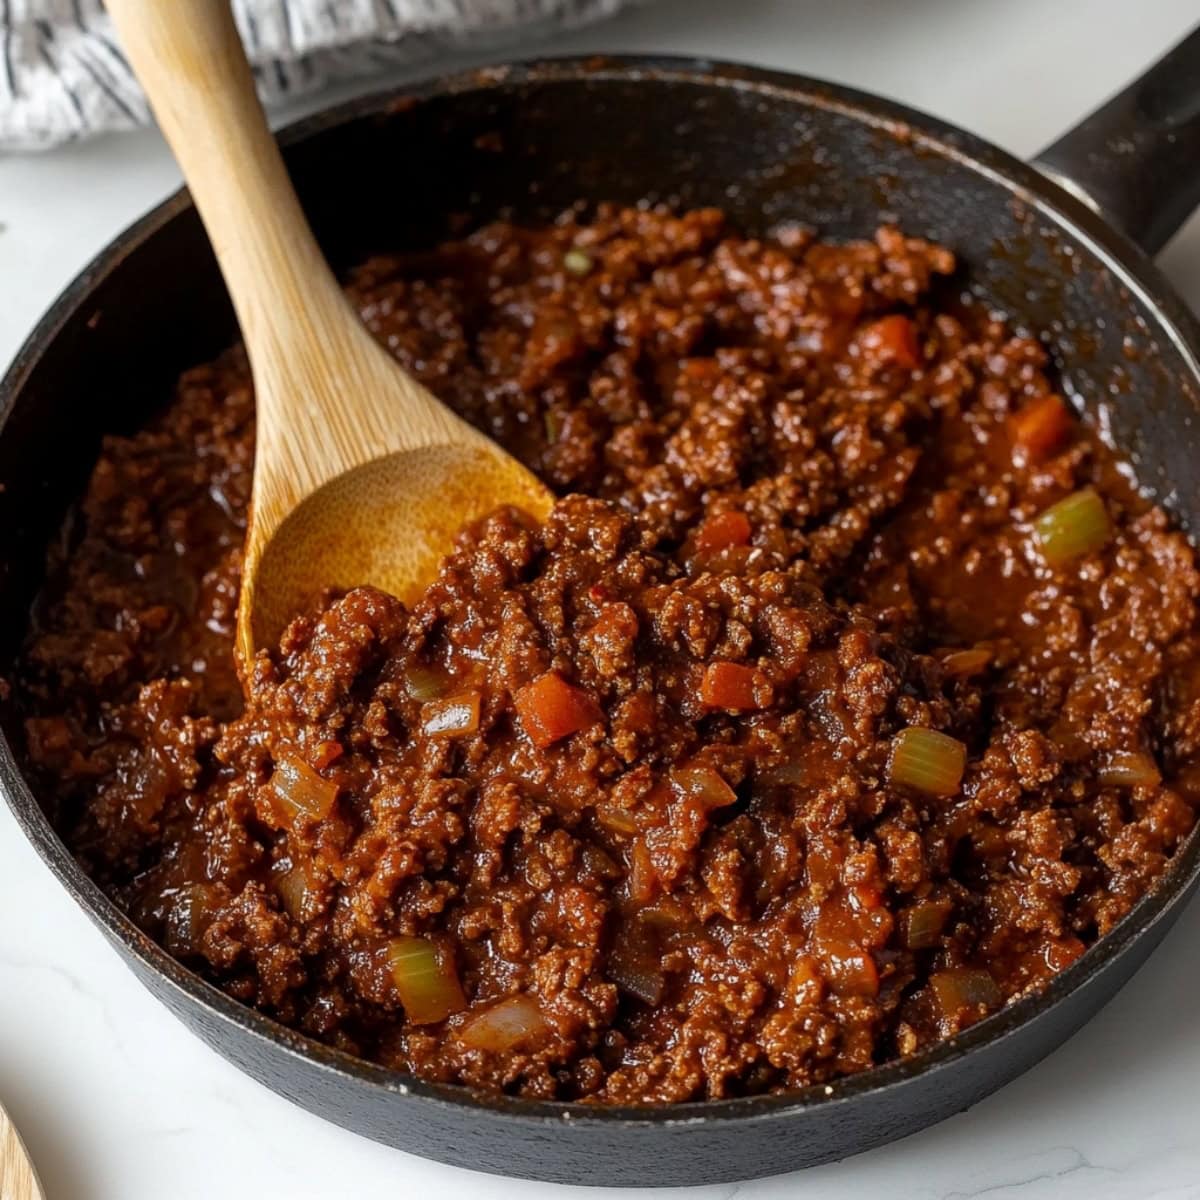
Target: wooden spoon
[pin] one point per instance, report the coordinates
(18, 1179)
(361, 475)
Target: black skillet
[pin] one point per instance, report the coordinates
(767, 147)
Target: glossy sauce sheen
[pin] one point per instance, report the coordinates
(625, 782)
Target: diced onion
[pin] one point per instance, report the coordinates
(642, 877)
(927, 761)
(425, 979)
(194, 907)
(666, 915)
(964, 988)
(792, 774)
(922, 924)
(705, 785)
(304, 793)
(806, 765)
(1129, 768)
(294, 890)
(616, 819)
(1073, 527)
(455, 716)
(635, 969)
(965, 663)
(851, 970)
(513, 1024)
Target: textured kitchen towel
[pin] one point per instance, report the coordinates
(63, 76)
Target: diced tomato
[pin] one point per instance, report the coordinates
(551, 709)
(732, 686)
(893, 339)
(326, 754)
(1061, 954)
(863, 897)
(723, 530)
(1041, 427)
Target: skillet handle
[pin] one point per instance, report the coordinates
(1136, 159)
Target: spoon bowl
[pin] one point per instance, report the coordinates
(361, 476)
(388, 522)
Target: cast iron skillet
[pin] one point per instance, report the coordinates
(767, 147)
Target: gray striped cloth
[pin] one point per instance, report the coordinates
(63, 76)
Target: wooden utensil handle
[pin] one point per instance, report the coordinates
(189, 58)
(18, 1179)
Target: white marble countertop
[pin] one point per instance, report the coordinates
(117, 1101)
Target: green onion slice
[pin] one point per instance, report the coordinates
(1073, 527)
(927, 761)
(425, 683)
(425, 979)
(578, 262)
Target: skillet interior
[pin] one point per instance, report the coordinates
(529, 141)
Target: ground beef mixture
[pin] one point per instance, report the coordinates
(850, 692)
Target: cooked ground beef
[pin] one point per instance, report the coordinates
(643, 806)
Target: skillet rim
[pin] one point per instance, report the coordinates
(1050, 201)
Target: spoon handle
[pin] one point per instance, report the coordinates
(327, 395)
(306, 345)
(18, 1180)
(189, 59)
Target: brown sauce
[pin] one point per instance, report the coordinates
(624, 809)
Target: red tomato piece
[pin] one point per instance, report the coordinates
(551, 709)
(327, 753)
(730, 685)
(893, 340)
(723, 530)
(1041, 427)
